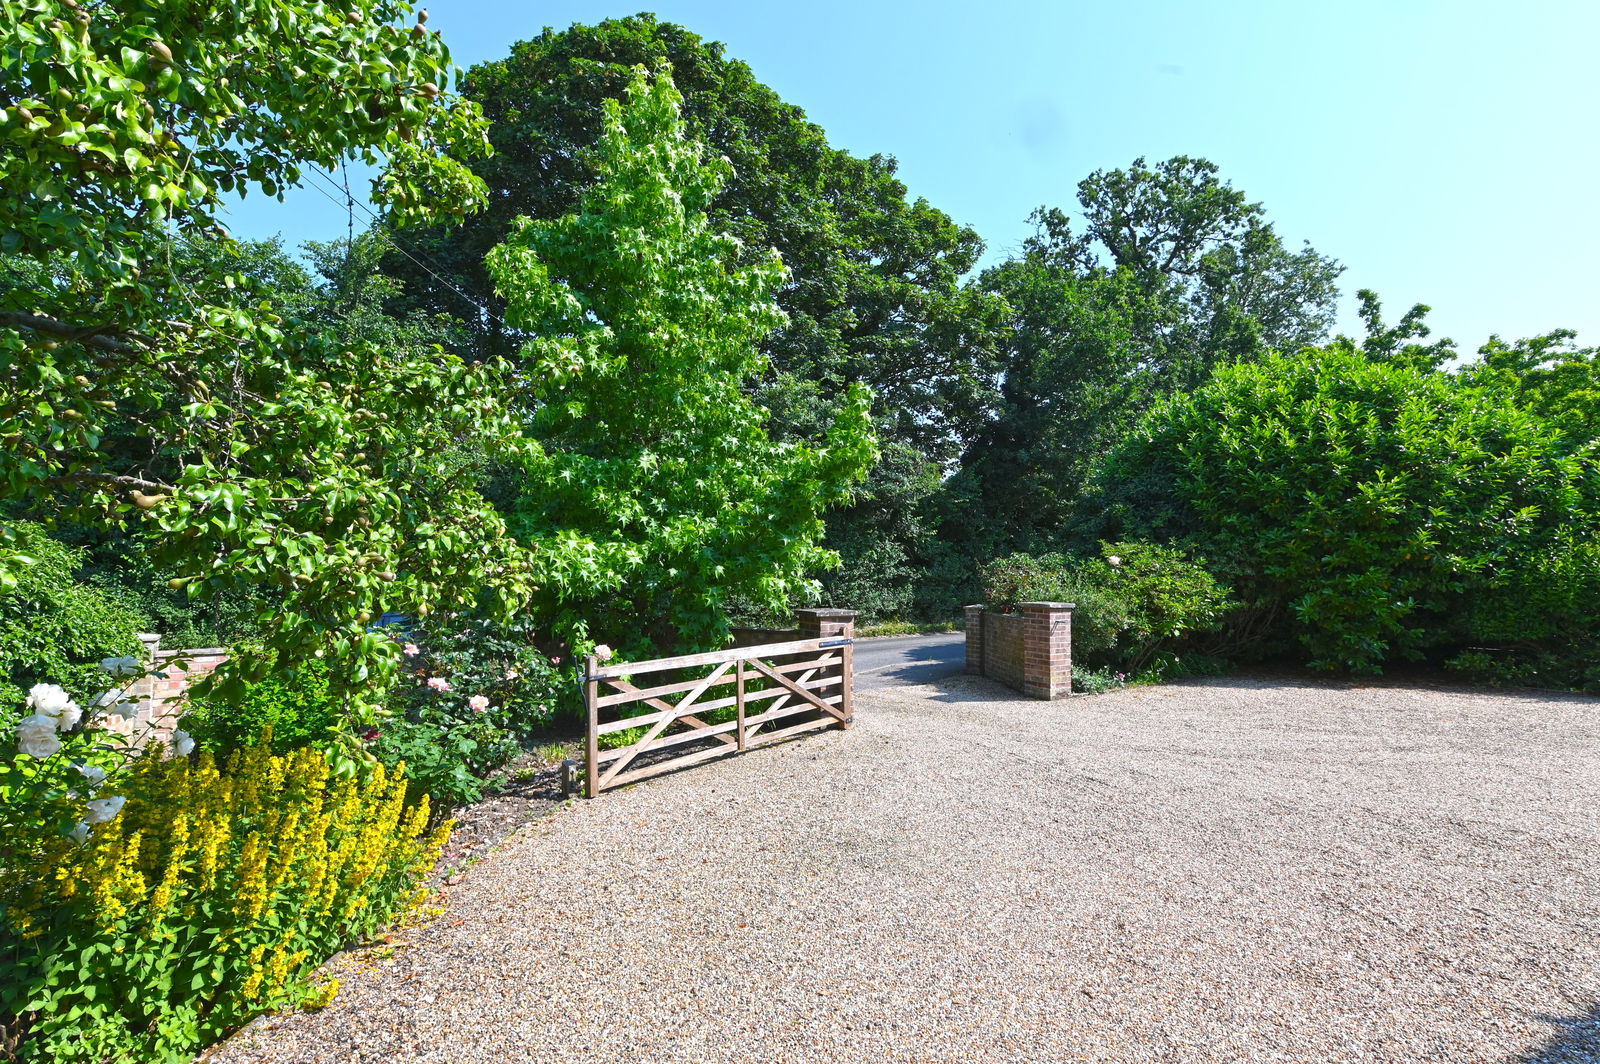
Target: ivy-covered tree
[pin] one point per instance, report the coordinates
(658, 494)
(146, 383)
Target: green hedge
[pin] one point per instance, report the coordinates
(52, 625)
(1368, 512)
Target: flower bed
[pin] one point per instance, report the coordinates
(154, 899)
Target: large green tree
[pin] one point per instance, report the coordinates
(147, 384)
(658, 494)
(1172, 273)
(874, 293)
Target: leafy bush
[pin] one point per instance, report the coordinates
(447, 757)
(1134, 602)
(1365, 510)
(209, 898)
(1086, 681)
(1537, 625)
(53, 625)
(293, 710)
(470, 695)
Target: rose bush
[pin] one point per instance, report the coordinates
(51, 774)
(472, 694)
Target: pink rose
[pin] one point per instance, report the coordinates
(412, 650)
(555, 661)
(479, 703)
(438, 683)
(603, 652)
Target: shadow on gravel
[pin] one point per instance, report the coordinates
(1578, 1042)
(916, 674)
(959, 687)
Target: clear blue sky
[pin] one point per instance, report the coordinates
(1445, 152)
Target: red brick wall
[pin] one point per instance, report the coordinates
(159, 694)
(1029, 651)
(1002, 647)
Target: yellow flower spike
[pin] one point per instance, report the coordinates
(250, 890)
(287, 836)
(177, 849)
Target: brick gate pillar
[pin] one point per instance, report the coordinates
(834, 624)
(1046, 649)
(827, 624)
(974, 640)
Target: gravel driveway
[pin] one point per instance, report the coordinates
(1232, 870)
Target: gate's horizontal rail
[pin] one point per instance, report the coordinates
(646, 693)
(616, 670)
(644, 720)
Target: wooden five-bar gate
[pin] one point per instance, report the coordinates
(743, 698)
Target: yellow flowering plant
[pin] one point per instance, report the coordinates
(212, 897)
(55, 760)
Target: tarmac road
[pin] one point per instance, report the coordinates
(914, 659)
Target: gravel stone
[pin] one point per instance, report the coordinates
(1238, 869)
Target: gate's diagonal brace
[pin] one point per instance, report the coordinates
(836, 712)
(664, 723)
(782, 701)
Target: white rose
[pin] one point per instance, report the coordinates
(48, 699)
(182, 743)
(128, 666)
(79, 832)
(603, 652)
(36, 736)
(71, 714)
(108, 698)
(93, 773)
(1114, 560)
(103, 809)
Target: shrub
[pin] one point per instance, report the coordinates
(1135, 602)
(1363, 510)
(1536, 626)
(211, 897)
(53, 625)
(470, 695)
(294, 710)
(447, 757)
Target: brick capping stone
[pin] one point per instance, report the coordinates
(1029, 651)
(825, 624)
